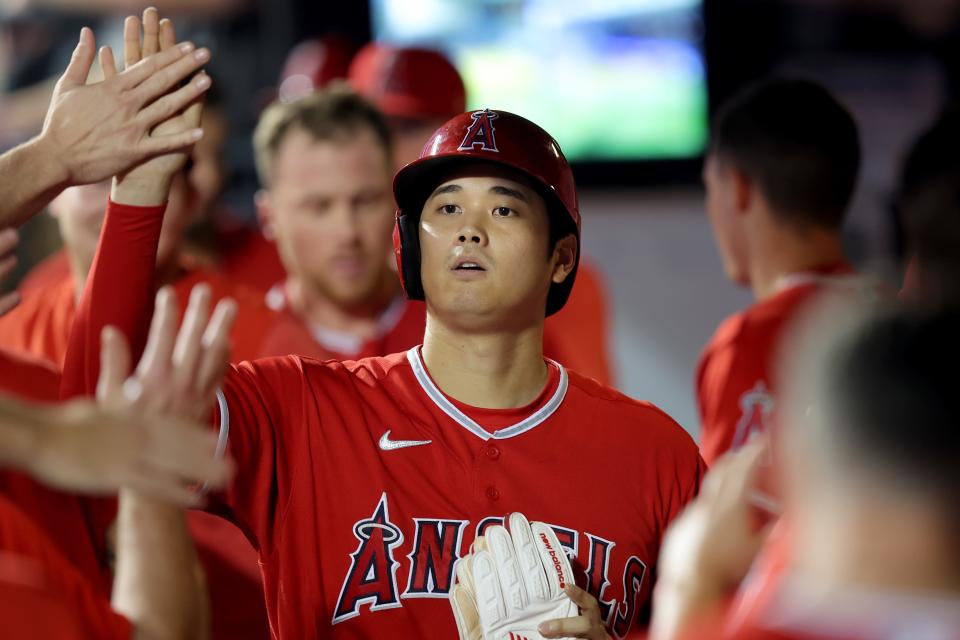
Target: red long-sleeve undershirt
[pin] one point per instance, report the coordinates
(119, 291)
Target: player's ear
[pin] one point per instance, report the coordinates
(264, 205)
(564, 258)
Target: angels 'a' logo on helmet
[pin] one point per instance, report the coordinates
(480, 133)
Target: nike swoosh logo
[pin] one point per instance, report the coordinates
(386, 444)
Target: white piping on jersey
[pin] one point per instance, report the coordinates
(544, 412)
(224, 434)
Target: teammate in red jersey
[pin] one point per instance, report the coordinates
(362, 483)
(325, 163)
(779, 174)
(869, 476)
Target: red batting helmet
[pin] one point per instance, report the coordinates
(500, 138)
(407, 82)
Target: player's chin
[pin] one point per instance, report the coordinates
(471, 305)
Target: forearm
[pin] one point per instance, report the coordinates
(158, 584)
(32, 177)
(119, 292)
(20, 432)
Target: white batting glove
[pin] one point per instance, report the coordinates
(512, 580)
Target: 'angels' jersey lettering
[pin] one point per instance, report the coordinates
(436, 548)
(358, 540)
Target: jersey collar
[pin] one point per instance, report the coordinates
(438, 398)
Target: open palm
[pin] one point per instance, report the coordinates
(157, 36)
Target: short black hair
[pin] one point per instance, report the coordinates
(799, 145)
(891, 385)
(928, 205)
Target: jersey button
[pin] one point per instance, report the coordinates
(493, 493)
(493, 452)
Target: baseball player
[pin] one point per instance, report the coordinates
(870, 490)
(779, 174)
(417, 90)
(362, 483)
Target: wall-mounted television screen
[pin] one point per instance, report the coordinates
(612, 80)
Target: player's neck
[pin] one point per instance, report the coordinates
(490, 370)
(318, 310)
(778, 252)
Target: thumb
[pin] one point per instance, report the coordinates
(81, 60)
(114, 365)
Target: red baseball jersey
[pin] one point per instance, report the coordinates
(362, 484)
(736, 390)
(249, 259)
(62, 516)
(43, 593)
(48, 271)
(578, 335)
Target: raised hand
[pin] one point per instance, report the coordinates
(709, 548)
(93, 132)
(144, 434)
(179, 372)
(149, 183)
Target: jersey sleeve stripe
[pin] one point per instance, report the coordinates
(224, 434)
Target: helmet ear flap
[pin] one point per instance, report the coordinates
(409, 236)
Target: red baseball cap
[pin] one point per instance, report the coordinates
(315, 63)
(408, 82)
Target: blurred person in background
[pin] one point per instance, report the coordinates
(779, 174)
(928, 203)
(248, 254)
(870, 452)
(326, 166)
